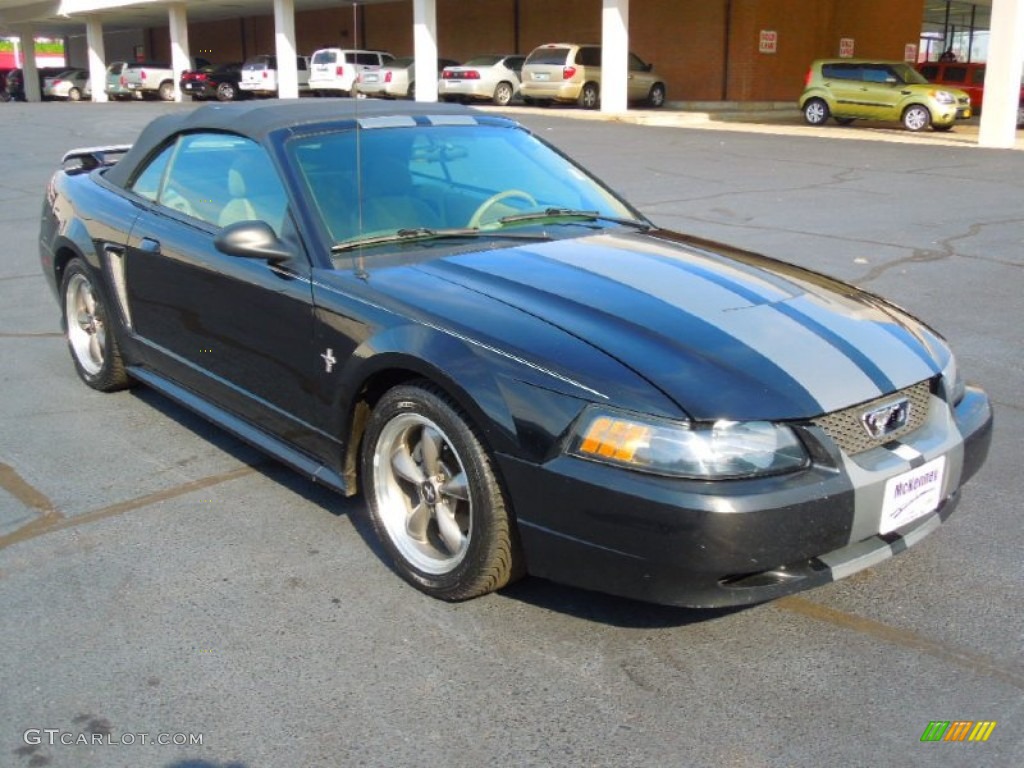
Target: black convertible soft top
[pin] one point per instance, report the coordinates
(257, 119)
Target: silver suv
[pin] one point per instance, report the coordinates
(569, 72)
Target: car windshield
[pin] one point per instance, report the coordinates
(370, 184)
(908, 74)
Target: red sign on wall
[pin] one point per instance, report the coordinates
(846, 47)
(769, 42)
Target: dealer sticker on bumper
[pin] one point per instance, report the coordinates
(912, 495)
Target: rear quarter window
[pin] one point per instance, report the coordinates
(840, 72)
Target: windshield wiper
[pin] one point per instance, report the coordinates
(572, 213)
(426, 233)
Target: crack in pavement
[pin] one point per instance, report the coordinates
(904, 638)
(58, 522)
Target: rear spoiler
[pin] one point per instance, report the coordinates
(88, 158)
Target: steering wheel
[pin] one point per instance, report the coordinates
(490, 202)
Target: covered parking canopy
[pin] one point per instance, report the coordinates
(28, 18)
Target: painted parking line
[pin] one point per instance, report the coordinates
(968, 660)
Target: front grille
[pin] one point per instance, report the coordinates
(848, 431)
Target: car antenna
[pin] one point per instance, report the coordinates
(360, 265)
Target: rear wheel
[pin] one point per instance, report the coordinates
(166, 91)
(816, 112)
(503, 94)
(434, 498)
(90, 332)
(590, 97)
(916, 118)
(74, 95)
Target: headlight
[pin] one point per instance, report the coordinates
(944, 97)
(952, 381)
(724, 449)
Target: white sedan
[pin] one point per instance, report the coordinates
(488, 78)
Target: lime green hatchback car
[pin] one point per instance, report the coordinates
(861, 89)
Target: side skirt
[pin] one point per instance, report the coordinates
(244, 430)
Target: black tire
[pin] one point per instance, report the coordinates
(916, 118)
(433, 496)
(590, 96)
(844, 120)
(656, 97)
(226, 92)
(166, 91)
(816, 112)
(411, 93)
(503, 94)
(89, 329)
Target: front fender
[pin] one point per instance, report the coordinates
(513, 408)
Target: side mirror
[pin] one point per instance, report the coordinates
(251, 240)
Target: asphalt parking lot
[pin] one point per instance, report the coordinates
(158, 577)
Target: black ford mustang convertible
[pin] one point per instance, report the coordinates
(520, 372)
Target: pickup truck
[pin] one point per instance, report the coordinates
(147, 79)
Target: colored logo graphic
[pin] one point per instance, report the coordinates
(958, 730)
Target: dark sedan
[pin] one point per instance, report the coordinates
(519, 371)
(213, 81)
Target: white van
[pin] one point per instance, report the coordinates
(334, 70)
(259, 75)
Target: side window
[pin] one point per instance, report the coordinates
(147, 184)
(955, 75)
(840, 72)
(221, 179)
(636, 64)
(978, 76)
(876, 73)
(589, 57)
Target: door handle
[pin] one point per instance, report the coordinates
(149, 245)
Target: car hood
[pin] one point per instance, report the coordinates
(723, 333)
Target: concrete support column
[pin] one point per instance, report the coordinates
(29, 70)
(284, 47)
(424, 40)
(1002, 74)
(177, 17)
(97, 56)
(614, 55)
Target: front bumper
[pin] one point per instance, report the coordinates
(713, 544)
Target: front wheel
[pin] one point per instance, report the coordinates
(916, 118)
(816, 112)
(434, 499)
(589, 97)
(656, 97)
(89, 329)
(226, 92)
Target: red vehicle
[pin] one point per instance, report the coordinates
(966, 77)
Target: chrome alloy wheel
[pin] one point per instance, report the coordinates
(87, 324)
(422, 493)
